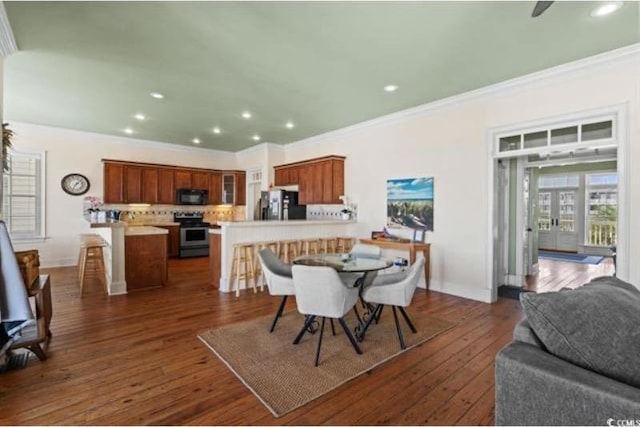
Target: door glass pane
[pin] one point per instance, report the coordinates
(602, 216)
(544, 217)
(567, 211)
(510, 143)
(600, 130)
(564, 135)
(536, 139)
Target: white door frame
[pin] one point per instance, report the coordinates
(620, 112)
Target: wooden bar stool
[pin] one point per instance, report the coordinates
(91, 259)
(257, 268)
(242, 266)
(345, 244)
(310, 246)
(289, 250)
(329, 245)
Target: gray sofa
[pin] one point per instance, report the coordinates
(574, 360)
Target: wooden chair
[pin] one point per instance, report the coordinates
(328, 245)
(242, 266)
(289, 250)
(91, 259)
(36, 336)
(310, 246)
(344, 244)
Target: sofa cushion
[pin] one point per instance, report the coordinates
(595, 326)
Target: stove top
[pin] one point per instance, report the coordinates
(190, 219)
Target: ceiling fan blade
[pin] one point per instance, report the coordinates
(540, 7)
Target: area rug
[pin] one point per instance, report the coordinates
(283, 376)
(562, 256)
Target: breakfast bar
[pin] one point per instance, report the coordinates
(230, 233)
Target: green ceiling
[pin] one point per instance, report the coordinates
(91, 65)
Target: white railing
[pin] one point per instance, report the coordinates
(601, 233)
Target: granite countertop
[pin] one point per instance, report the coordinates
(284, 223)
(138, 230)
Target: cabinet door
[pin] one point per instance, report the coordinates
(337, 167)
(228, 183)
(327, 181)
(215, 188)
(293, 176)
(280, 177)
(200, 180)
(150, 185)
(305, 196)
(240, 187)
(166, 186)
(133, 184)
(183, 179)
(316, 183)
(113, 183)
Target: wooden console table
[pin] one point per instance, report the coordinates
(412, 247)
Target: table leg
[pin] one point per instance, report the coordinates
(427, 268)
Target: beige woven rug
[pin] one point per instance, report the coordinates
(283, 375)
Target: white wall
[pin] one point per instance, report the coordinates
(70, 151)
(449, 143)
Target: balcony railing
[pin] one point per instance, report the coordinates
(601, 233)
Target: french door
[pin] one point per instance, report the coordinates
(557, 220)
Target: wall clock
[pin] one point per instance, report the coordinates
(75, 184)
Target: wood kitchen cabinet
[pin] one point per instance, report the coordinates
(166, 186)
(114, 183)
(240, 189)
(173, 240)
(320, 180)
(183, 179)
(133, 182)
(145, 261)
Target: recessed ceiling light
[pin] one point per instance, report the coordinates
(289, 125)
(216, 130)
(140, 117)
(156, 95)
(246, 114)
(606, 9)
(196, 140)
(128, 131)
(256, 137)
(390, 88)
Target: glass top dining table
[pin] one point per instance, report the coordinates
(344, 263)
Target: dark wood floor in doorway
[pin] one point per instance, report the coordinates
(136, 359)
(555, 275)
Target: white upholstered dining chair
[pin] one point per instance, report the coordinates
(397, 291)
(320, 292)
(366, 251)
(279, 280)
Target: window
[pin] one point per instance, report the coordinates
(602, 208)
(23, 195)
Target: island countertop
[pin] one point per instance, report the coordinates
(284, 223)
(141, 230)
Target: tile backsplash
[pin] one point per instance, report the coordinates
(164, 213)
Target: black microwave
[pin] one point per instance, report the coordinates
(187, 196)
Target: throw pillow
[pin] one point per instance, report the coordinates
(595, 327)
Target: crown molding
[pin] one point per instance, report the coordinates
(613, 56)
(8, 43)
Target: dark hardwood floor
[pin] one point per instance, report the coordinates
(135, 359)
(555, 275)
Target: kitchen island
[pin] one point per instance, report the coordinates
(114, 233)
(230, 233)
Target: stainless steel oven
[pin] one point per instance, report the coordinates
(194, 234)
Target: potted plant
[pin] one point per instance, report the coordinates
(345, 213)
(7, 134)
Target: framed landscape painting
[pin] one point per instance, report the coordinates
(410, 203)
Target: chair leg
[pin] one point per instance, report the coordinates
(37, 350)
(279, 313)
(379, 313)
(333, 328)
(406, 317)
(361, 331)
(400, 337)
(307, 323)
(355, 310)
(320, 341)
(348, 333)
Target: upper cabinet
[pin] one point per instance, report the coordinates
(319, 181)
(130, 182)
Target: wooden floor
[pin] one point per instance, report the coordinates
(555, 275)
(135, 359)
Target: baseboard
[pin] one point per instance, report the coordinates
(477, 294)
(118, 288)
(515, 280)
